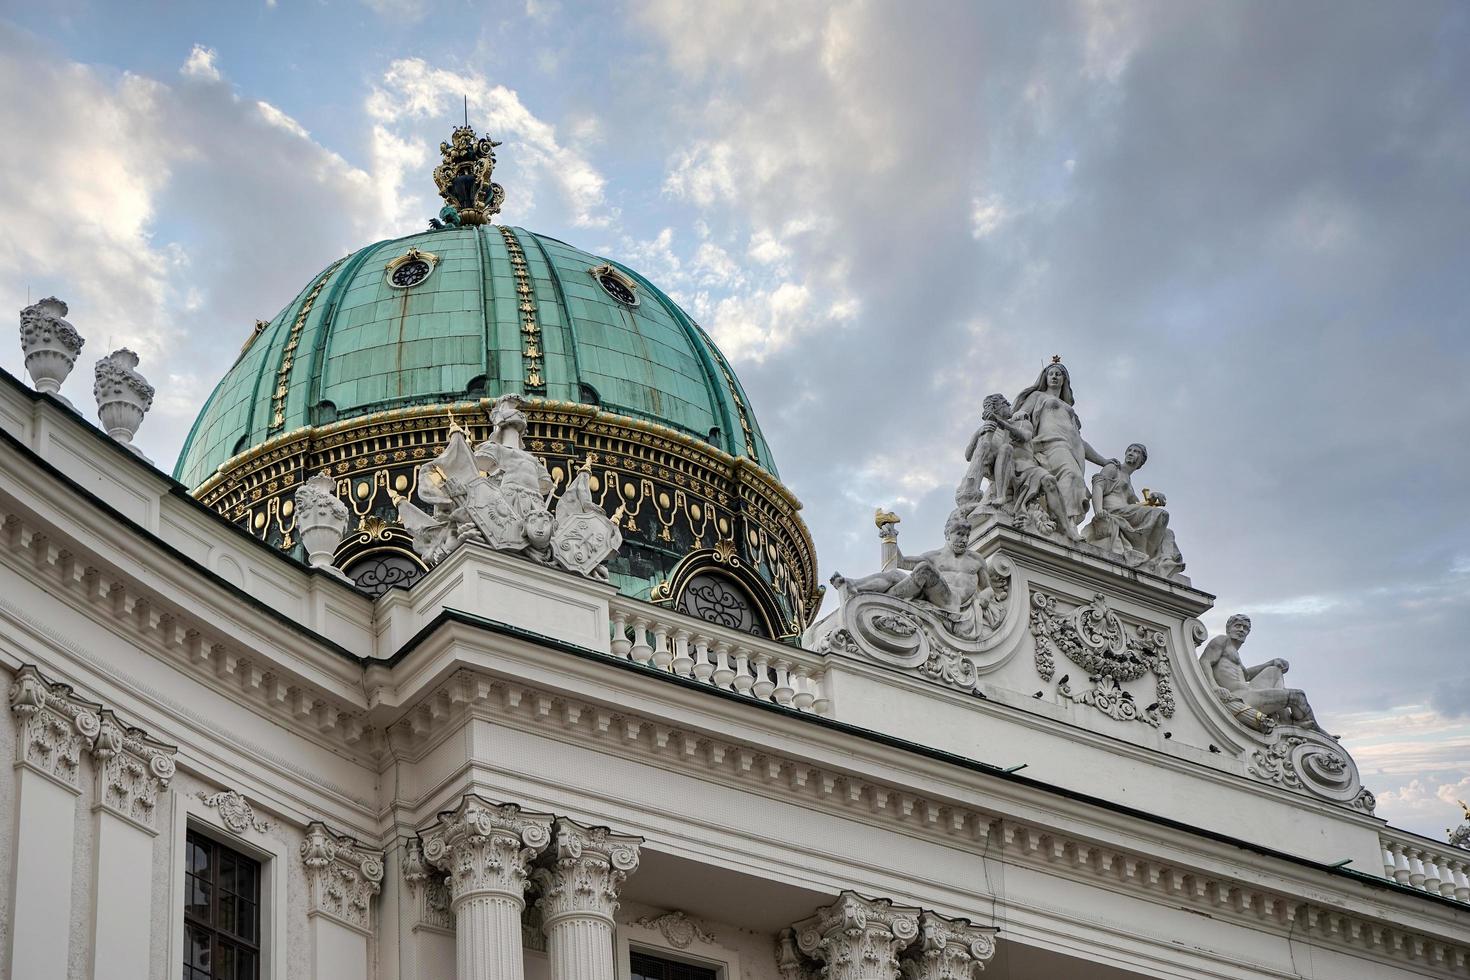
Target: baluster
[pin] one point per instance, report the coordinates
(763, 686)
(1416, 868)
(1447, 877)
(640, 650)
(1389, 864)
(682, 662)
(1431, 872)
(723, 674)
(1400, 863)
(783, 692)
(1462, 881)
(703, 668)
(662, 655)
(821, 703)
(804, 697)
(743, 680)
(620, 644)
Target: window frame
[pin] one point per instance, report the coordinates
(632, 937)
(191, 813)
(220, 853)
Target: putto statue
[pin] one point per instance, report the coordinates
(1257, 696)
(498, 493)
(463, 178)
(1027, 468)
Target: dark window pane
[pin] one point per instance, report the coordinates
(197, 894)
(226, 968)
(196, 947)
(245, 966)
(227, 871)
(248, 919)
(221, 896)
(225, 921)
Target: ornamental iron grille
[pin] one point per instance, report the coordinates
(717, 599)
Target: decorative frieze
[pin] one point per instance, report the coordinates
(54, 726)
(132, 770)
(587, 868)
(858, 938)
(342, 876)
(948, 949)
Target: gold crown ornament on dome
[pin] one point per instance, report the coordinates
(463, 178)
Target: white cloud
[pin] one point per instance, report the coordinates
(987, 215)
(280, 120)
(200, 64)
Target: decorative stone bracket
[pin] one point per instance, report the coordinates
(342, 876)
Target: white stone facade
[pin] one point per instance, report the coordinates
(512, 772)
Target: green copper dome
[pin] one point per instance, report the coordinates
(500, 310)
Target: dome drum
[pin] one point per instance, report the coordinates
(690, 511)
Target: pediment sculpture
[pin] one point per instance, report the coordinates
(499, 493)
(932, 610)
(1298, 753)
(1027, 469)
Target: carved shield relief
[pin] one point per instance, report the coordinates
(581, 542)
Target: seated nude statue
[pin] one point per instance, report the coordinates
(951, 579)
(1261, 687)
(1123, 523)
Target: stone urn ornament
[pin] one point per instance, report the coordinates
(50, 344)
(321, 520)
(123, 396)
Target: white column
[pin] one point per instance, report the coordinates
(55, 727)
(487, 849)
(579, 894)
(342, 877)
(948, 949)
(132, 771)
(858, 938)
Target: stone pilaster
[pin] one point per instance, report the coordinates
(858, 938)
(132, 770)
(487, 849)
(342, 876)
(579, 894)
(948, 949)
(54, 728)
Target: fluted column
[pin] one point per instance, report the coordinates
(858, 938)
(948, 949)
(579, 894)
(487, 850)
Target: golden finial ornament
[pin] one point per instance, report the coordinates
(884, 518)
(463, 178)
(1465, 808)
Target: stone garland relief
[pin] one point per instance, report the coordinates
(1094, 640)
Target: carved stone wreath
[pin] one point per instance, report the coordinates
(1093, 638)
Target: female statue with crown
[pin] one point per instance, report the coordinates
(1058, 445)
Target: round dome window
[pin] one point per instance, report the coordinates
(411, 273)
(616, 285)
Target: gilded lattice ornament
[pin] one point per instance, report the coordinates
(1093, 638)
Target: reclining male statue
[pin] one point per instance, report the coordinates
(1262, 687)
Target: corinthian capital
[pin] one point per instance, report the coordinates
(342, 875)
(132, 769)
(586, 870)
(858, 938)
(487, 848)
(949, 949)
(54, 726)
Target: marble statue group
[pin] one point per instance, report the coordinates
(499, 493)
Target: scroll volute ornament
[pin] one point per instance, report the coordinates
(132, 770)
(342, 875)
(55, 725)
(949, 949)
(487, 848)
(586, 872)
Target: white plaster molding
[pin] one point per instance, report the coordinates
(429, 888)
(584, 872)
(235, 811)
(132, 770)
(679, 928)
(858, 938)
(342, 877)
(54, 726)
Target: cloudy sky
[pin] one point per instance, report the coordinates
(1245, 226)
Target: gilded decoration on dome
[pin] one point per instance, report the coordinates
(463, 178)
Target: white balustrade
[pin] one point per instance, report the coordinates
(1426, 865)
(722, 658)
